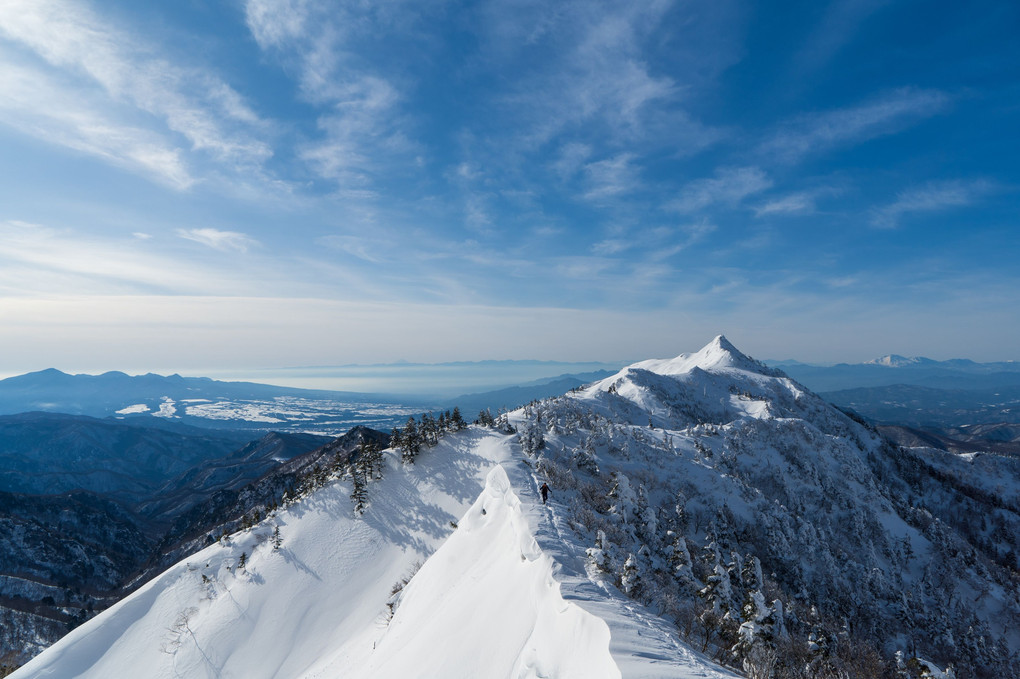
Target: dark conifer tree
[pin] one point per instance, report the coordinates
(370, 460)
(410, 442)
(359, 495)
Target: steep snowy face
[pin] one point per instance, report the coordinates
(275, 603)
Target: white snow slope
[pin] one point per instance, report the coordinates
(505, 594)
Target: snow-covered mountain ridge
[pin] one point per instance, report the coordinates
(703, 502)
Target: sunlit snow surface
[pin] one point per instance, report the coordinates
(505, 595)
(134, 409)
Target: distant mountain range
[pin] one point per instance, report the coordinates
(888, 370)
(954, 405)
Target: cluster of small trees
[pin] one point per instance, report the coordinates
(425, 432)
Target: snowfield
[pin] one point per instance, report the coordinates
(503, 595)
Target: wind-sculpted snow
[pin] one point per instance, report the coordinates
(324, 591)
(487, 604)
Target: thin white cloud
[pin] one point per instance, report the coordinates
(932, 197)
(362, 248)
(840, 22)
(584, 74)
(657, 243)
(35, 104)
(612, 246)
(361, 130)
(729, 187)
(41, 260)
(106, 78)
(611, 177)
(792, 204)
(274, 22)
(571, 159)
(362, 124)
(219, 240)
(689, 235)
(586, 268)
(820, 132)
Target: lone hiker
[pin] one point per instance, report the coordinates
(545, 492)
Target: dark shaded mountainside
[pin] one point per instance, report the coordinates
(109, 504)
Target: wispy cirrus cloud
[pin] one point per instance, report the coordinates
(657, 244)
(686, 237)
(931, 197)
(44, 260)
(113, 86)
(611, 177)
(219, 240)
(361, 248)
(729, 187)
(794, 203)
(841, 20)
(819, 132)
(361, 121)
(35, 104)
(594, 72)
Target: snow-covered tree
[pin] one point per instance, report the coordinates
(631, 580)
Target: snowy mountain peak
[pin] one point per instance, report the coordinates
(719, 354)
(716, 384)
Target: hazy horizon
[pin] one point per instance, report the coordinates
(269, 183)
(439, 379)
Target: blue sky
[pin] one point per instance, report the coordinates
(189, 186)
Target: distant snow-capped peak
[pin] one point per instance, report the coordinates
(897, 361)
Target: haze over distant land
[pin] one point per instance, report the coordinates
(190, 188)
